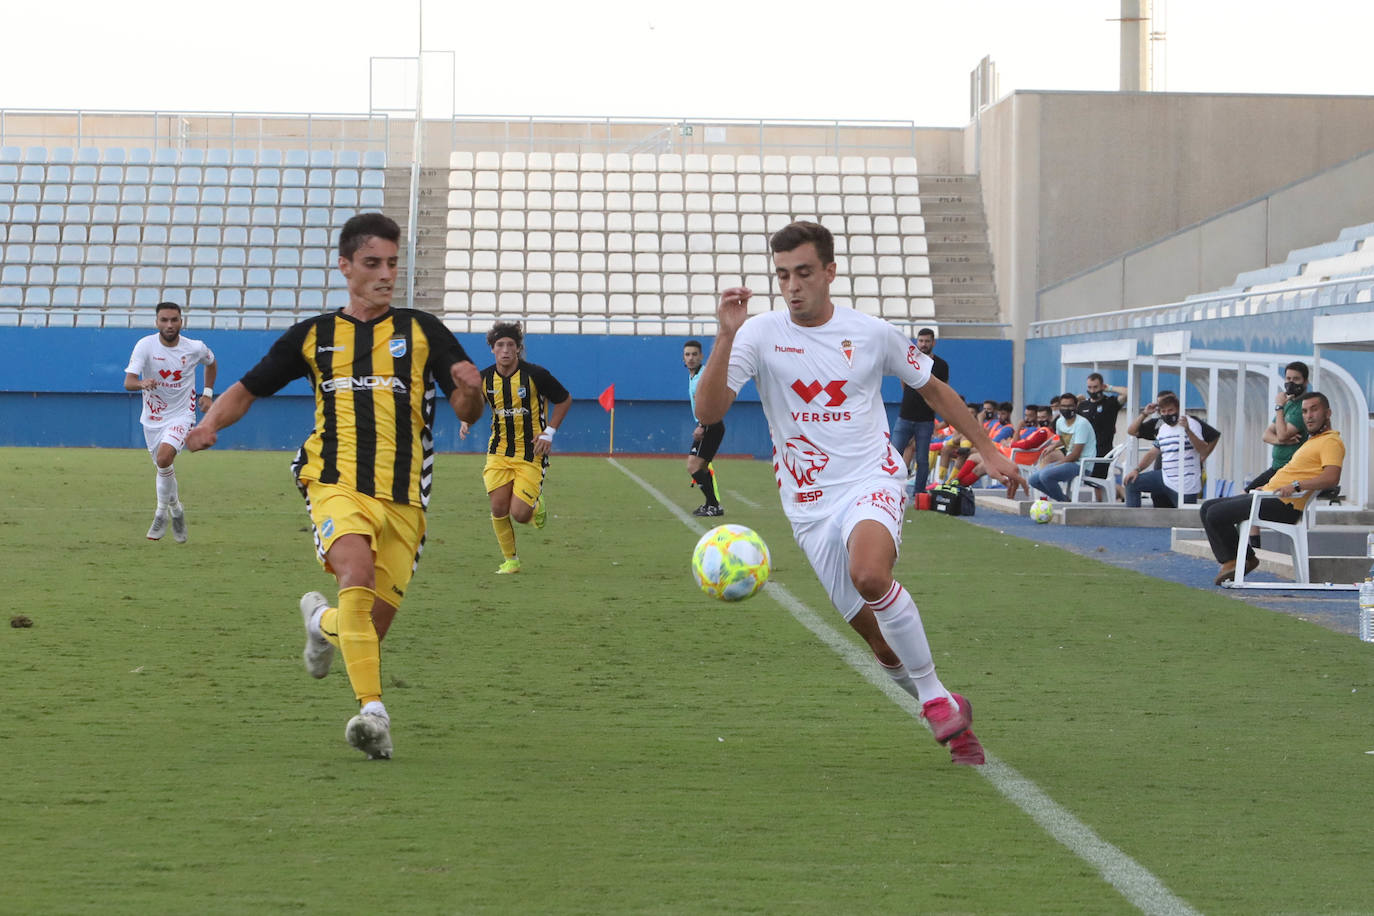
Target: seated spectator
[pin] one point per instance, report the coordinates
(1078, 440)
(1181, 448)
(1028, 419)
(1314, 467)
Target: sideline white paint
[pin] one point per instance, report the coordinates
(1130, 879)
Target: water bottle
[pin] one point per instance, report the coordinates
(1366, 626)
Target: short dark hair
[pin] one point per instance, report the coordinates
(364, 226)
(167, 305)
(1317, 395)
(692, 343)
(1006, 405)
(1068, 394)
(794, 235)
(509, 329)
(1095, 377)
(1047, 408)
(1300, 367)
(1167, 397)
(926, 332)
(1032, 407)
(987, 401)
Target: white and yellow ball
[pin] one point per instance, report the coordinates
(1041, 511)
(730, 562)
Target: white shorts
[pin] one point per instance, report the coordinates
(826, 541)
(173, 432)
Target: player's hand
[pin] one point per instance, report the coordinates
(200, 438)
(1281, 399)
(733, 308)
(1130, 475)
(464, 427)
(698, 433)
(148, 384)
(465, 374)
(1003, 469)
(542, 446)
(205, 402)
(1148, 409)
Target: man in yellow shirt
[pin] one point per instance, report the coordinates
(1314, 467)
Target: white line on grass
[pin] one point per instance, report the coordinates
(1130, 879)
(740, 497)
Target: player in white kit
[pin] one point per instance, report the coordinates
(163, 367)
(819, 370)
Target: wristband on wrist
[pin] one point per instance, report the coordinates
(548, 431)
(208, 392)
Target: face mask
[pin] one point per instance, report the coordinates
(987, 415)
(1170, 419)
(1293, 389)
(1066, 412)
(1095, 395)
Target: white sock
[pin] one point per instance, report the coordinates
(375, 708)
(166, 487)
(901, 626)
(901, 677)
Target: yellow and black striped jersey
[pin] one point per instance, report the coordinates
(519, 403)
(374, 398)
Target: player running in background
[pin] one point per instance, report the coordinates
(819, 370)
(366, 467)
(521, 436)
(163, 367)
(705, 439)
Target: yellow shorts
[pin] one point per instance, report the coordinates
(397, 533)
(527, 476)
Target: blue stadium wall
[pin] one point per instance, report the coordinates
(64, 387)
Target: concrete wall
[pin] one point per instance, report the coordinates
(1071, 180)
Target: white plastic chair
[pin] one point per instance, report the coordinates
(1104, 485)
(1295, 532)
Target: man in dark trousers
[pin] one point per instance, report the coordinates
(916, 421)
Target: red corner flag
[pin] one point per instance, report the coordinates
(607, 398)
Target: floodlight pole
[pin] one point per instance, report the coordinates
(413, 207)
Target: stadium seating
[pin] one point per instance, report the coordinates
(126, 228)
(621, 243)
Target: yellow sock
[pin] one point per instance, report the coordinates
(329, 625)
(358, 642)
(505, 535)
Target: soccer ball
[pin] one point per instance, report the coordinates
(1041, 511)
(730, 562)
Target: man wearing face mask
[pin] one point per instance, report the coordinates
(1286, 433)
(1079, 442)
(1180, 444)
(1100, 407)
(1314, 467)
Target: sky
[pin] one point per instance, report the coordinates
(903, 60)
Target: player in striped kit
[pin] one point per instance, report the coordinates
(819, 370)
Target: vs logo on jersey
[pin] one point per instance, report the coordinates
(808, 391)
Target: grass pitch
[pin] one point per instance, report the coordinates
(593, 735)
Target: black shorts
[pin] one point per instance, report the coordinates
(705, 447)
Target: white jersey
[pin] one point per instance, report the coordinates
(821, 390)
(175, 371)
(1177, 454)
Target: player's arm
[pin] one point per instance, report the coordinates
(1133, 428)
(134, 383)
(947, 402)
(466, 397)
(207, 396)
(1329, 477)
(714, 396)
(227, 410)
(543, 444)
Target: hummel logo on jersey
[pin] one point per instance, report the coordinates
(329, 349)
(808, 391)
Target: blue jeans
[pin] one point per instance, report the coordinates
(919, 431)
(1050, 480)
(1152, 482)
